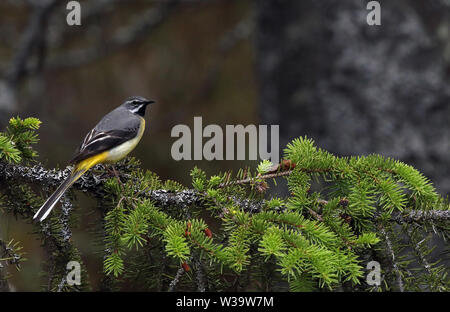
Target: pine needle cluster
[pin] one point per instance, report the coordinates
(16, 141)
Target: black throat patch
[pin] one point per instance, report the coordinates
(141, 110)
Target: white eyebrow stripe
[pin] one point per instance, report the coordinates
(136, 109)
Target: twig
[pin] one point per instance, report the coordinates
(392, 258)
(199, 274)
(419, 253)
(176, 279)
(7, 257)
(424, 215)
(315, 214)
(251, 180)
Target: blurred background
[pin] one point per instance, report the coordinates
(314, 68)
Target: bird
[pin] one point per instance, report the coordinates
(111, 140)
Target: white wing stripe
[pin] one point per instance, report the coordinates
(97, 139)
(92, 139)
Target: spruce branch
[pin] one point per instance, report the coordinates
(321, 233)
(93, 182)
(201, 278)
(255, 179)
(392, 258)
(56, 236)
(417, 248)
(176, 279)
(423, 215)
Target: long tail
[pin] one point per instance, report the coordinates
(47, 207)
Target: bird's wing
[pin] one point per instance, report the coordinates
(114, 129)
(97, 142)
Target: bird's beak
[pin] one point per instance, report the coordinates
(149, 102)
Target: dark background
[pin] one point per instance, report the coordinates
(313, 67)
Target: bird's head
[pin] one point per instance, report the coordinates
(137, 104)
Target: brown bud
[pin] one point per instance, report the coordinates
(186, 267)
(208, 232)
(287, 164)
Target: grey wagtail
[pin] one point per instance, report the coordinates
(116, 135)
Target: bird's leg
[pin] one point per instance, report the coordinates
(118, 178)
(115, 172)
(112, 168)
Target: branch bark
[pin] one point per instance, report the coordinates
(392, 259)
